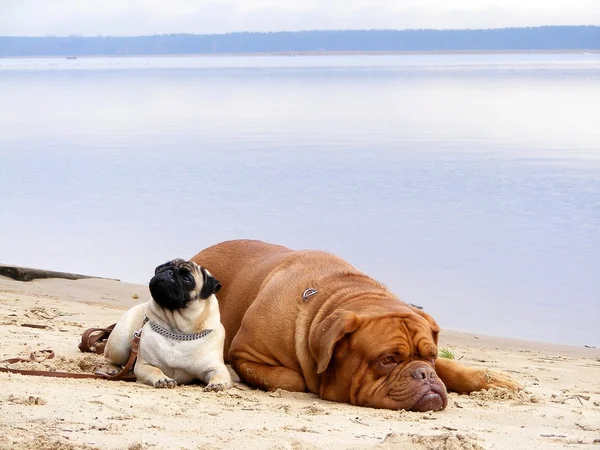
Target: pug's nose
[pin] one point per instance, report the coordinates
(423, 373)
(169, 273)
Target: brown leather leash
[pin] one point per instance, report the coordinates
(93, 340)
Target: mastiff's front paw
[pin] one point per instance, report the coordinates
(165, 383)
(215, 387)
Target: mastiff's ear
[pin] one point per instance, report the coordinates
(326, 334)
(211, 284)
(435, 329)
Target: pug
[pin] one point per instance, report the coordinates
(182, 336)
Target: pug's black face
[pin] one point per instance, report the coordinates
(179, 282)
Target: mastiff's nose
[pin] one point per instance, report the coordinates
(424, 372)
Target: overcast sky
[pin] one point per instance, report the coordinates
(137, 17)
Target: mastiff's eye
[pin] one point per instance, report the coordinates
(387, 361)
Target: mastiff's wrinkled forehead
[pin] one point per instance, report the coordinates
(177, 282)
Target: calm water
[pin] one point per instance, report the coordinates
(468, 184)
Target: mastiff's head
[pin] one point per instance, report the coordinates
(379, 359)
(179, 282)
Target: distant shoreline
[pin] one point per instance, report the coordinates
(316, 53)
(546, 39)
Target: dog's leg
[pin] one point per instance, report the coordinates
(259, 360)
(266, 377)
(118, 345)
(464, 380)
(151, 375)
(111, 369)
(217, 378)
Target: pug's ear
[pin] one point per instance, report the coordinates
(211, 284)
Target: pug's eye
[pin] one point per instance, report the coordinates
(187, 277)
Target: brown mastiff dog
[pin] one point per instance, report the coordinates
(309, 321)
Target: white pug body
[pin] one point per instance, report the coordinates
(182, 335)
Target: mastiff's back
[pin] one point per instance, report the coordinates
(240, 266)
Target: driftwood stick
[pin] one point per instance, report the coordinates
(27, 274)
(35, 325)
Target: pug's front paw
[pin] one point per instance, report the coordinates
(165, 383)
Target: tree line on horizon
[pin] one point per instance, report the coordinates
(501, 39)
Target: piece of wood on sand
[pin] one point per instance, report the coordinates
(27, 274)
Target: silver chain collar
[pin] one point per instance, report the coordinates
(177, 336)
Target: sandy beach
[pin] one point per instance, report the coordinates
(558, 408)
